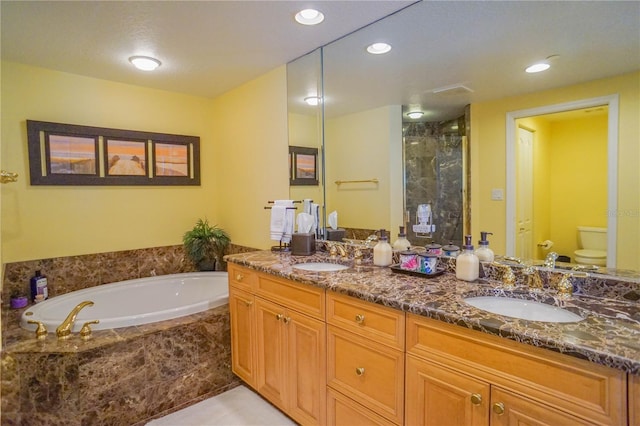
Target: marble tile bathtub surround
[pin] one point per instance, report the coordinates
(122, 376)
(609, 333)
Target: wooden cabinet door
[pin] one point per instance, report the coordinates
(438, 396)
(510, 409)
(271, 352)
(634, 400)
(243, 337)
(306, 340)
(343, 411)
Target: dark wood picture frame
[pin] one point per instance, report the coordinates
(70, 154)
(303, 165)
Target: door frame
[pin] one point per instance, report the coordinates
(612, 101)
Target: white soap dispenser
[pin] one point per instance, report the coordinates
(401, 244)
(467, 263)
(484, 253)
(382, 251)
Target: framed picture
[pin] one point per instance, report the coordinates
(126, 158)
(303, 165)
(70, 154)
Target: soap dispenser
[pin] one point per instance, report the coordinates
(467, 263)
(484, 253)
(382, 251)
(402, 244)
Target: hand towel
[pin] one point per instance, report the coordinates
(278, 219)
(306, 206)
(315, 212)
(289, 219)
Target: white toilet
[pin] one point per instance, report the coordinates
(593, 246)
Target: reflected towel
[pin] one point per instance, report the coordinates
(284, 220)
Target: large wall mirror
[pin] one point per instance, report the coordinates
(460, 67)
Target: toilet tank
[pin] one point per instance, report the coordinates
(592, 238)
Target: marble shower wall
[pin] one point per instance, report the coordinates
(434, 174)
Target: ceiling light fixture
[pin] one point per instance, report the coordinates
(312, 100)
(309, 17)
(145, 63)
(542, 65)
(378, 48)
(415, 114)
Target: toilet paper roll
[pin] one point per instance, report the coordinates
(546, 244)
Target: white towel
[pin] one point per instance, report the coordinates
(284, 220)
(278, 218)
(306, 206)
(315, 212)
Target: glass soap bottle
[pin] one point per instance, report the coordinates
(382, 251)
(467, 263)
(401, 244)
(484, 253)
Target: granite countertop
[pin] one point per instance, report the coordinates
(609, 334)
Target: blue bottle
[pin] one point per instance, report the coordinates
(39, 290)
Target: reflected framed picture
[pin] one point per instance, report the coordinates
(303, 165)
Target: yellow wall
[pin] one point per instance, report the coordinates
(243, 138)
(49, 221)
(249, 158)
(578, 192)
(488, 124)
(362, 146)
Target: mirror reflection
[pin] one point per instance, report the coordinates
(446, 56)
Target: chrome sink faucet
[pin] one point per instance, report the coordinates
(550, 260)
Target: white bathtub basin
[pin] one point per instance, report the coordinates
(523, 309)
(320, 267)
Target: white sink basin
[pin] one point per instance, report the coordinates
(523, 309)
(320, 267)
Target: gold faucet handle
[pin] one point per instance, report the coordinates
(565, 286)
(85, 331)
(41, 330)
(534, 282)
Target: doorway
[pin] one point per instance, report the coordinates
(539, 184)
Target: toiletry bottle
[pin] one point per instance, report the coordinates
(401, 244)
(39, 290)
(382, 251)
(484, 253)
(467, 263)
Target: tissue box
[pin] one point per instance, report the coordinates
(303, 244)
(335, 234)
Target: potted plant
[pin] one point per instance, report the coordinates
(205, 245)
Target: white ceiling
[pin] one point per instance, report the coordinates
(206, 47)
(209, 47)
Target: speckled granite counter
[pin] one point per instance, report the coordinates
(609, 334)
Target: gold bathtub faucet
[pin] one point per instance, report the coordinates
(64, 330)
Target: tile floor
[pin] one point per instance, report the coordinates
(236, 407)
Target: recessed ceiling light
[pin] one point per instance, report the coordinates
(309, 17)
(145, 63)
(542, 65)
(312, 100)
(539, 67)
(379, 48)
(415, 114)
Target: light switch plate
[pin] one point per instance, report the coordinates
(497, 194)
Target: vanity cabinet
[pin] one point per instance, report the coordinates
(286, 341)
(365, 362)
(479, 379)
(634, 400)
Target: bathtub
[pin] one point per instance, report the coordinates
(134, 302)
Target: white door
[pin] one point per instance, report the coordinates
(524, 191)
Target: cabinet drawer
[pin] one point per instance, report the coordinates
(579, 387)
(300, 297)
(370, 373)
(378, 323)
(241, 277)
(342, 411)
